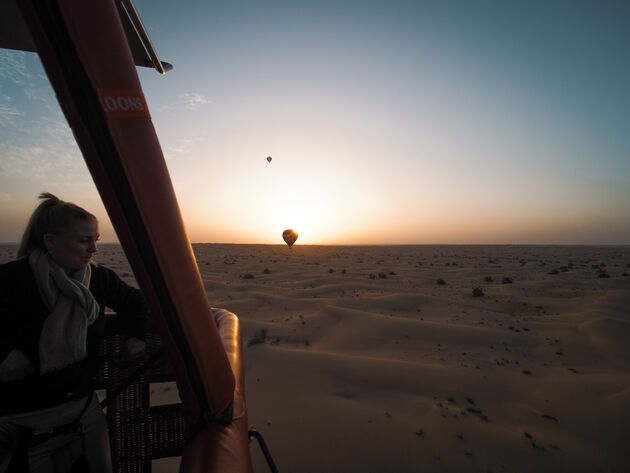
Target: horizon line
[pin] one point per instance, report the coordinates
(379, 244)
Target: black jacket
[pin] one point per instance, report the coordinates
(22, 314)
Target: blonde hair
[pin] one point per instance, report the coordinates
(52, 215)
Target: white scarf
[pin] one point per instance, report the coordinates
(72, 309)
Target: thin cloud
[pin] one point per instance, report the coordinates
(13, 66)
(24, 72)
(8, 114)
(51, 153)
(182, 147)
(188, 100)
(193, 101)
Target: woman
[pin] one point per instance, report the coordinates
(52, 300)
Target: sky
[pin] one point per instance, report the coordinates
(393, 122)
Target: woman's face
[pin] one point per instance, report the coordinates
(74, 246)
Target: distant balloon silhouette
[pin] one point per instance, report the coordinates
(268, 159)
(289, 237)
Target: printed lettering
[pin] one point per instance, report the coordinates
(119, 103)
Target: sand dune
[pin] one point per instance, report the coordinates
(357, 359)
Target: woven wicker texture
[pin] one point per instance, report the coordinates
(138, 432)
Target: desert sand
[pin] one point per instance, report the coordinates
(381, 359)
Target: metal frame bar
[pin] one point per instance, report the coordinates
(254, 434)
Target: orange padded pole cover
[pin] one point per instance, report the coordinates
(224, 448)
(100, 41)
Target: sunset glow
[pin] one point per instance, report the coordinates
(392, 123)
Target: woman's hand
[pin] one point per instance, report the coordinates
(135, 347)
(15, 366)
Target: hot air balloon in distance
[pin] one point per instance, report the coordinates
(268, 159)
(289, 237)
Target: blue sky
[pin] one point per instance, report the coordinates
(389, 122)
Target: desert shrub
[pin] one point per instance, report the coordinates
(441, 282)
(382, 275)
(343, 271)
(508, 280)
(258, 337)
(603, 275)
(266, 271)
(372, 276)
(248, 276)
(553, 271)
(488, 279)
(331, 270)
(477, 292)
